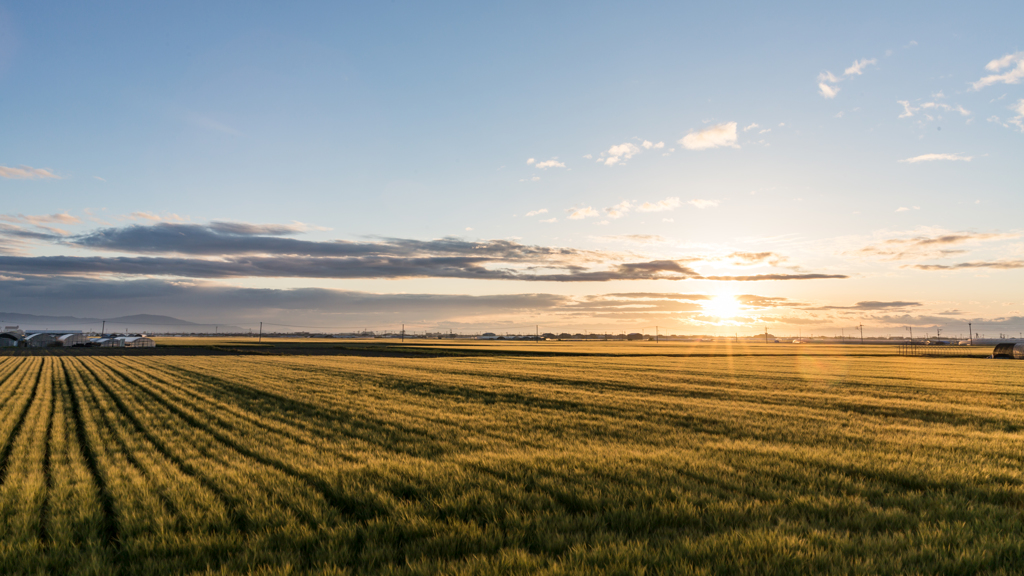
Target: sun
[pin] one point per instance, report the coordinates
(723, 307)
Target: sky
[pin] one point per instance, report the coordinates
(609, 166)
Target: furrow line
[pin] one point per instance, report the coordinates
(217, 399)
(108, 527)
(114, 433)
(232, 448)
(44, 511)
(5, 453)
(343, 505)
(239, 517)
(357, 428)
(15, 379)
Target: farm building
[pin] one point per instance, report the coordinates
(78, 339)
(1009, 350)
(40, 340)
(8, 339)
(106, 342)
(137, 342)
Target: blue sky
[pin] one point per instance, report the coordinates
(733, 141)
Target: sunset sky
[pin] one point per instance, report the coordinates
(476, 166)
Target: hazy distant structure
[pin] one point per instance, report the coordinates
(106, 342)
(136, 342)
(40, 340)
(9, 340)
(77, 339)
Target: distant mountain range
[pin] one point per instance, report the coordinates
(134, 323)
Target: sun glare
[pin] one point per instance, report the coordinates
(722, 307)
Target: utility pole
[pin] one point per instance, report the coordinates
(536, 336)
(765, 334)
(403, 332)
(861, 326)
(103, 330)
(261, 332)
(911, 328)
(970, 333)
(657, 336)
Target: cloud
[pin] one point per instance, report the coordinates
(553, 163)
(59, 218)
(644, 239)
(619, 210)
(751, 127)
(1015, 63)
(766, 277)
(918, 247)
(858, 66)
(620, 153)
(647, 144)
(530, 160)
(581, 213)
(670, 203)
(536, 212)
(550, 220)
(934, 157)
(1019, 119)
(997, 264)
(871, 305)
(26, 173)
(910, 109)
(226, 250)
(756, 258)
(826, 85)
(702, 204)
(713, 137)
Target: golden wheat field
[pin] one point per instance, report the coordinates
(745, 464)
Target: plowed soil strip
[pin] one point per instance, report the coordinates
(108, 527)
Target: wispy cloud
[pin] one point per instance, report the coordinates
(714, 137)
(857, 68)
(550, 220)
(619, 210)
(553, 163)
(1015, 73)
(59, 218)
(530, 161)
(26, 173)
(670, 203)
(647, 144)
(995, 264)
(644, 239)
(934, 157)
(918, 246)
(751, 127)
(911, 109)
(537, 212)
(581, 213)
(142, 215)
(700, 203)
